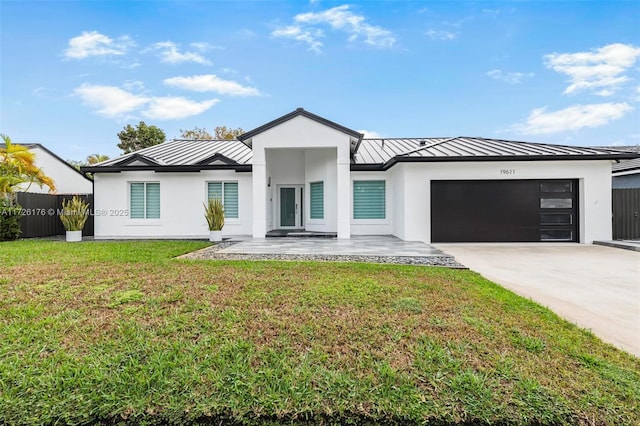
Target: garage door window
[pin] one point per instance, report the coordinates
(556, 219)
(556, 203)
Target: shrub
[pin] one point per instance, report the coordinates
(214, 213)
(74, 214)
(9, 221)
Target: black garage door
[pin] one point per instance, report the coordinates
(504, 210)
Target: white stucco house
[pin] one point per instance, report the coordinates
(68, 180)
(304, 172)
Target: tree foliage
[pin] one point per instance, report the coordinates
(139, 137)
(96, 158)
(197, 134)
(219, 133)
(18, 170)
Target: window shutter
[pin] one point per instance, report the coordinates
(369, 199)
(316, 195)
(230, 199)
(153, 200)
(136, 206)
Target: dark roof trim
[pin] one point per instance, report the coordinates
(582, 157)
(216, 157)
(194, 168)
(137, 157)
(300, 111)
(623, 172)
(42, 147)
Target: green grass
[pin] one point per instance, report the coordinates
(121, 332)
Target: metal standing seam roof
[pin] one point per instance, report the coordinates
(626, 165)
(187, 152)
(372, 153)
(380, 151)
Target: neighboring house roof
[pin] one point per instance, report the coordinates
(42, 147)
(626, 166)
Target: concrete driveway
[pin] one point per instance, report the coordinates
(596, 287)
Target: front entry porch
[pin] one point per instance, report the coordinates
(299, 233)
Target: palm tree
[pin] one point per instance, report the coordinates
(97, 158)
(17, 168)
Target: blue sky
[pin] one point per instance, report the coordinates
(73, 74)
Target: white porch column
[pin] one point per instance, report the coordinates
(344, 192)
(259, 177)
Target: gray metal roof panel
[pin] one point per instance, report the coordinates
(469, 147)
(626, 165)
(183, 152)
(376, 152)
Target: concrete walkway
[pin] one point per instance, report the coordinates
(356, 246)
(596, 287)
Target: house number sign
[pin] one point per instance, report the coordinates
(507, 171)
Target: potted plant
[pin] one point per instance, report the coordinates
(74, 215)
(214, 213)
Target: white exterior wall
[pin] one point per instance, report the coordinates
(320, 165)
(181, 205)
(397, 208)
(66, 179)
(376, 226)
(300, 133)
(594, 195)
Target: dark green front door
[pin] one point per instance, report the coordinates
(287, 207)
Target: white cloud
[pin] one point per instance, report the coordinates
(211, 83)
(115, 102)
(110, 101)
(572, 118)
(170, 107)
(441, 35)
(169, 53)
(338, 18)
(296, 32)
(370, 134)
(203, 46)
(601, 68)
(509, 77)
(92, 43)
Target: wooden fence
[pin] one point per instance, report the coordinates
(626, 214)
(41, 214)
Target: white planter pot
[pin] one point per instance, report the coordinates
(215, 236)
(74, 236)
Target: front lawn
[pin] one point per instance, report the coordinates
(104, 332)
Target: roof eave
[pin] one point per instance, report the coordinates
(192, 168)
(499, 158)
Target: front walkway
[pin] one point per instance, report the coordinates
(371, 249)
(356, 246)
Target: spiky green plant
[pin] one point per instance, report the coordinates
(74, 214)
(214, 213)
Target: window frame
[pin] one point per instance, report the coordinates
(385, 201)
(311, 218)
(223, 184)
(144, 219)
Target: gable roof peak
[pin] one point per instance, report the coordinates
(357, 136)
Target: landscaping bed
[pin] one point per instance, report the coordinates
(122, 332)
